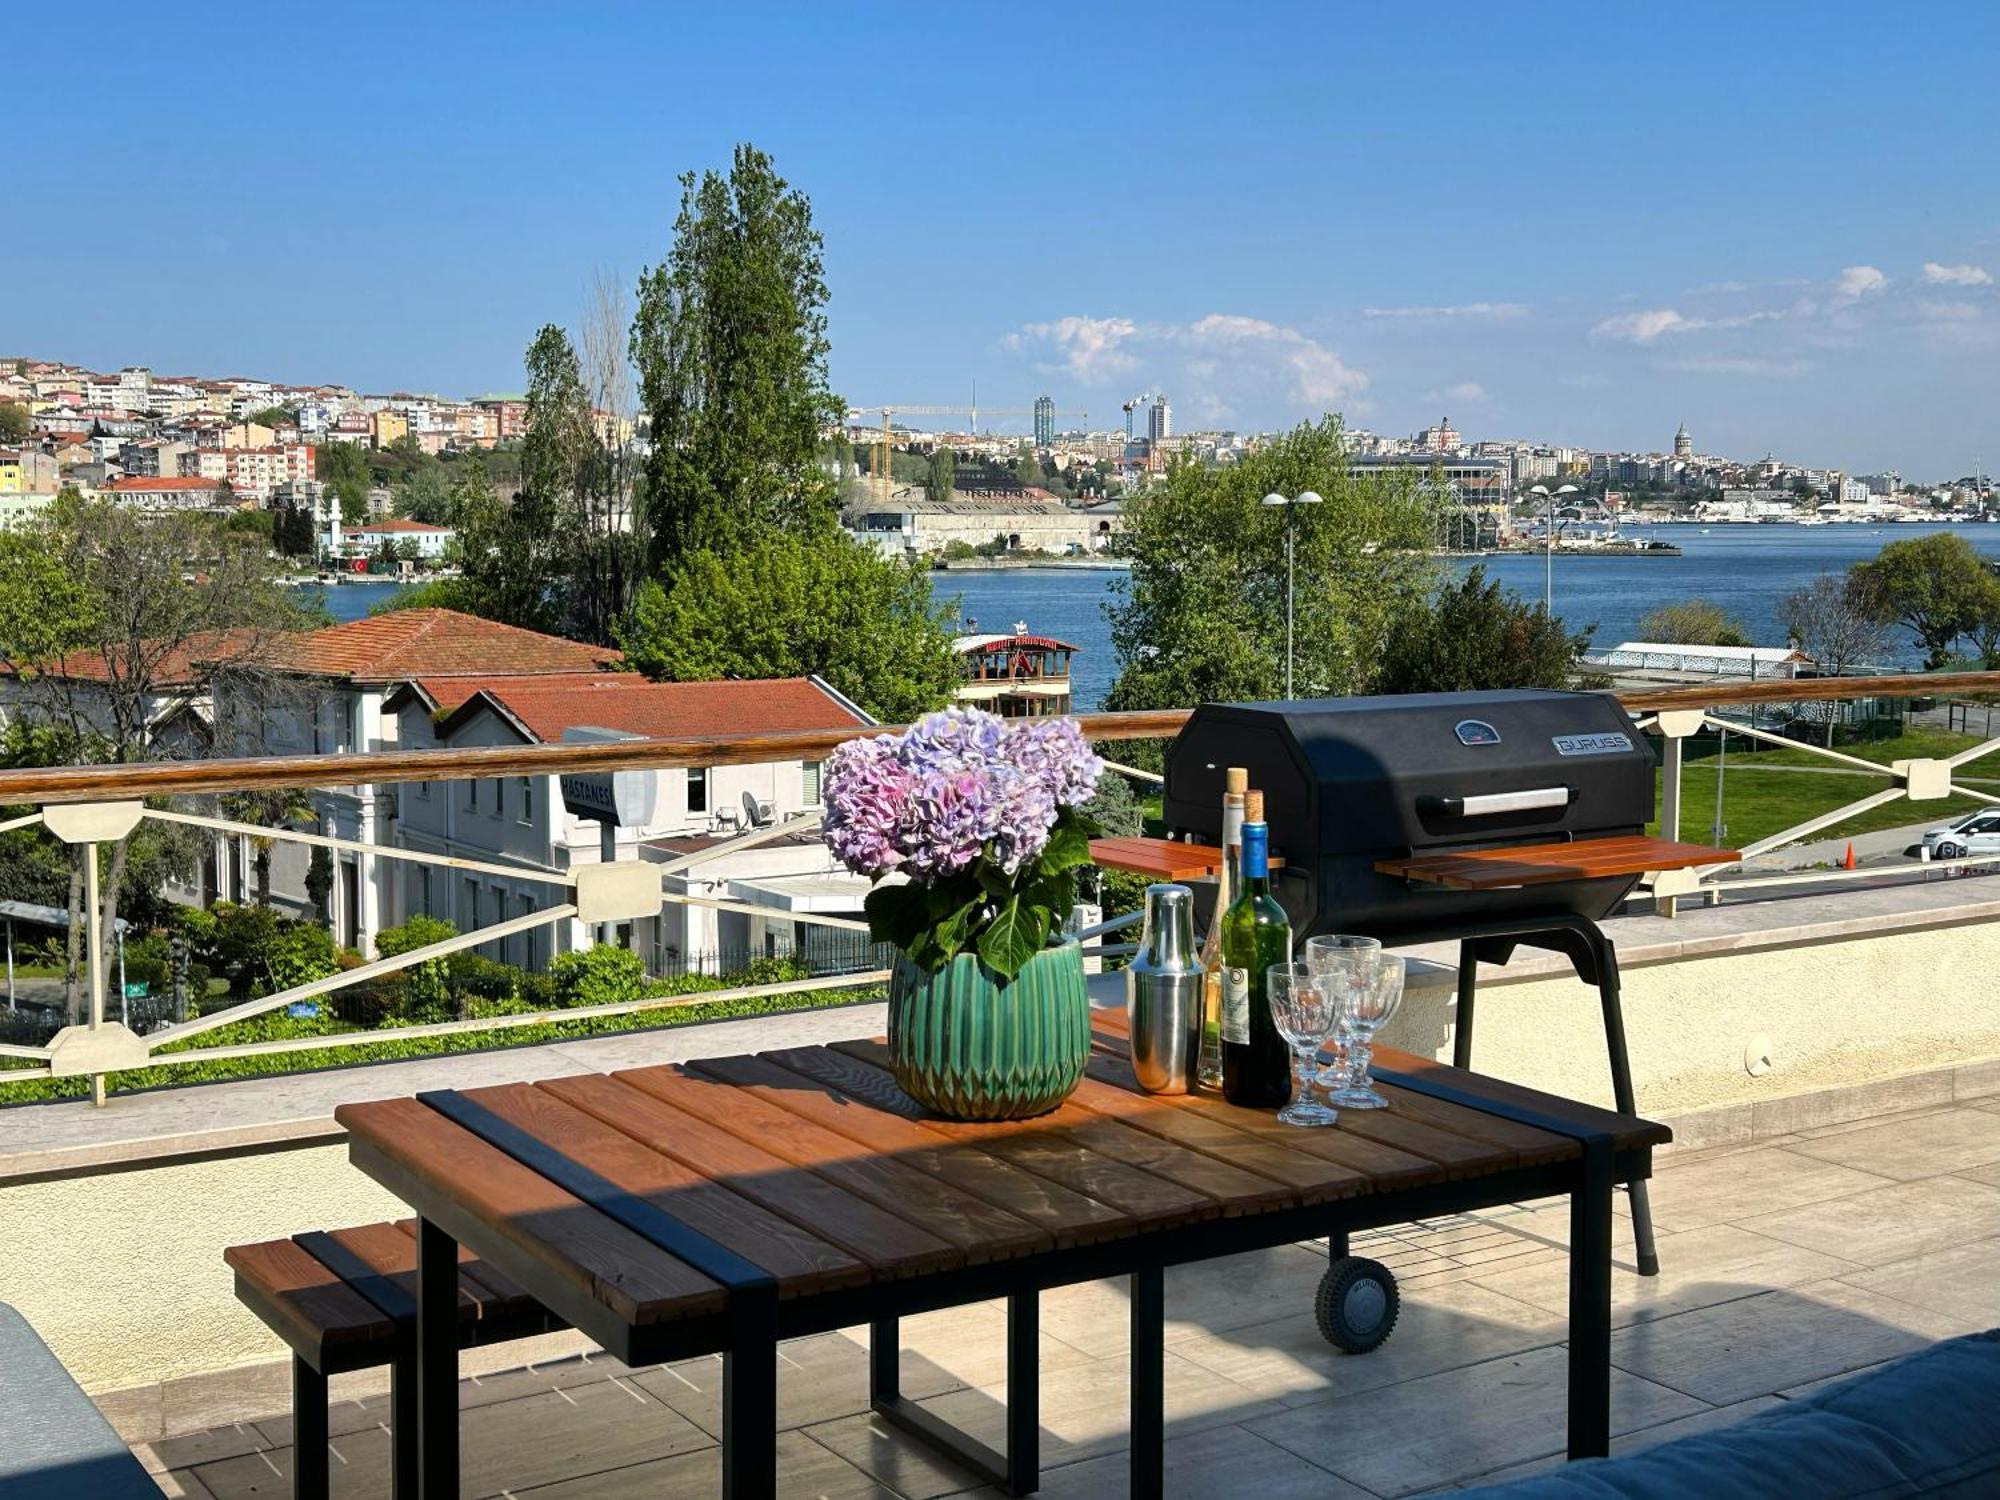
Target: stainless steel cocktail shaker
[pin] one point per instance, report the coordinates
(1163, 994)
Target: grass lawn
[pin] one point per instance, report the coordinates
(1760, 797)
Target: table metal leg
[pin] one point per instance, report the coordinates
(1024, 1393)
(309, 1465)
(437, 1363)
(750, 1400)
(404, 1425)
(1149, 1383)
(1621, 1092)
(885, 1365)
(1590, 1305)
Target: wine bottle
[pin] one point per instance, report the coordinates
(1235, 782)
(1256, 1063)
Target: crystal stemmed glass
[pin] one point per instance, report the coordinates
(1303, 1010)
(1374, 1003)
(1347, 960)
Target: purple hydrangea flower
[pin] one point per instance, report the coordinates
(957, 785)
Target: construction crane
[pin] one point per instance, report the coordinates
(885, 439)
(1131, 406)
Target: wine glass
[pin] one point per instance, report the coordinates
(1347, 960)
(1374, 1003)
(1303, 1010)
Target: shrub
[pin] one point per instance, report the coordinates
(426, 986)
(599, 975)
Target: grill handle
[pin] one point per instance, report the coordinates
(1492, 804)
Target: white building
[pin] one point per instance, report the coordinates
(1160, 420)
(431, 542)
(524, 820)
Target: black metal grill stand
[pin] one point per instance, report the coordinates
(1595, 960)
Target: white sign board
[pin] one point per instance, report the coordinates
(628, 799)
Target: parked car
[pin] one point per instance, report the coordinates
(1975, 833)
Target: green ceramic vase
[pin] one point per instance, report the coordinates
(970, 1045)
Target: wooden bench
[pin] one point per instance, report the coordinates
(346, 1300)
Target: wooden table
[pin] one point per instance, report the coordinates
(727, 1204)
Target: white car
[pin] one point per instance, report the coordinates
(1975, 833)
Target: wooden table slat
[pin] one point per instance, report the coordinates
(499, 1289)
(885, 1242)
(1542, 864)
(622, 1271)
(1067, 1217)
(800, 1260)
(1048, 1146)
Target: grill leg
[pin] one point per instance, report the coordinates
(437, 1362)
(309, 1465)
(1590, 1305)
(1621, 1091)
(1468, 984)
(1149, 1383)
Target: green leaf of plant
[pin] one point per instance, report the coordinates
(953, 932)
(1014, 936)
(897, 914)
(1067, 848)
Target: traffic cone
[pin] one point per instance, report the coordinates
(1848, 863)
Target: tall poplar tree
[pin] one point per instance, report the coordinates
(731, 348)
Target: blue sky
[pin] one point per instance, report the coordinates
(1583, 223)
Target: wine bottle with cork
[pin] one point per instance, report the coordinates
(1256, 934)
(1235, 782)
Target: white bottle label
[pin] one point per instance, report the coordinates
(1236, 1006)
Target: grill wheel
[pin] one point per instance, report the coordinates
(1357, 1304)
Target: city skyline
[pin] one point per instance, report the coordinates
(1532, 230)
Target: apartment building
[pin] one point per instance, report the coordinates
(525, 819)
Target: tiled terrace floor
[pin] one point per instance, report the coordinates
(1785, 1264)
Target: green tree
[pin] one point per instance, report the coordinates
(1937, 586)
(1694, 622)
(1201, 617)
(15, 423)
(1028, 469)
(789, 606)
(731, 349)
(425, 497)
(938, 480)
(1474, 635)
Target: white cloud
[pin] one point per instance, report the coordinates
(1857, 282)
(1207, 365)
(1088, 348)
(1499, 312)
(1465, 393)
(1938, 275)
(1644, 327)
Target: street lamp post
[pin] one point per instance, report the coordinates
(1307, 498)
(1549, 543)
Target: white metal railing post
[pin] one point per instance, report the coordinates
(93, 929)
(1675, 725)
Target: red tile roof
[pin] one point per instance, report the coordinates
(410, 644)
(398, 524)
(659, 710)
(443, 694)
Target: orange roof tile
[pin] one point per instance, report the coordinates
(659, 710)
(410, 644)
(443, 694)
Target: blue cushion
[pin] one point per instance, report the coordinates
(54, 1442)
(1926, 1425)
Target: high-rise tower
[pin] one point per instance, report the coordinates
(1160, 419)
(1045, 421)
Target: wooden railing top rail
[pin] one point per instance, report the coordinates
(271, 772)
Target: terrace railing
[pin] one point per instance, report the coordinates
(94, 805)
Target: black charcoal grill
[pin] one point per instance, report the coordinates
(1353, 783)
(1496, 819)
